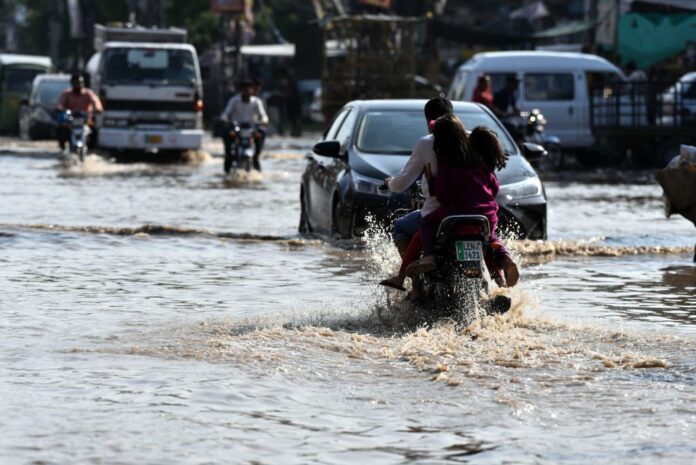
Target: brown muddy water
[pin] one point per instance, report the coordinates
(160, 314)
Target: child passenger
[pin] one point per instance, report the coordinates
(466, 185)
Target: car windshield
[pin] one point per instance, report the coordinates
(141, 65)
(49, 92)
(395, 132)
(19, 80)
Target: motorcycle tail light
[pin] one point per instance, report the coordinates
(469, 229)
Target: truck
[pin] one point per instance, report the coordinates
(150, 85)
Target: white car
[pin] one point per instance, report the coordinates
(679, 101)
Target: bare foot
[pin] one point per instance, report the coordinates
(395, 282)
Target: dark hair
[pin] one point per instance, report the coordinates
(436, 107)
(485, 147)
(450, 142)
(482, 80)
(75, 76)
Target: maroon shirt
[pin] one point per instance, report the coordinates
(484, 97)
(468, 190)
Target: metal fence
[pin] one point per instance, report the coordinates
(646, 107)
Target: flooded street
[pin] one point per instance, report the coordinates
(160, 314)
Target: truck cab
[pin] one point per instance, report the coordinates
(150, 84)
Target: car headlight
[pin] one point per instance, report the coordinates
(530, 187)
(366, 185)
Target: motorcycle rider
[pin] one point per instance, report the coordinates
(246, 108)
(77, 99)
(505, 100)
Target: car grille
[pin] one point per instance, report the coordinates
(144, 105)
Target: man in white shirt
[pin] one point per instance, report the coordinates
(406, 226)
(246, 108)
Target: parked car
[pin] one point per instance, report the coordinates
(372, 139)
(37, 115)
(16, 75)
(554, 82)
(679, 101)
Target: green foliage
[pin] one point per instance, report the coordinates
(195, 16)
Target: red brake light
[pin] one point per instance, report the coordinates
(469, 230)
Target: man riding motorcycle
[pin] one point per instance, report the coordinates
(505, 100)
(77, 99)
(245, 108)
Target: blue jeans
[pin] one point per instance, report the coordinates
(406, 226)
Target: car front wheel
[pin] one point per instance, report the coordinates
(342, 221)
(304, 227)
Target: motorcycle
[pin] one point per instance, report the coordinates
(454, 288)
(530, 126)
(239, 152)
(77, 124)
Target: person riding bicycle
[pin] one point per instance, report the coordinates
(77, 99)
(246, 108)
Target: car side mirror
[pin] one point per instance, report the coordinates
(533, 152)
(328, 148)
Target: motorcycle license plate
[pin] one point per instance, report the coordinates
(469, 251)
(153, 139)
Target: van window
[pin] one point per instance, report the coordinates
(549, 86)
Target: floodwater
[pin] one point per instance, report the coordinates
(161, 314)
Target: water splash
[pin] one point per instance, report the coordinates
(242, 178)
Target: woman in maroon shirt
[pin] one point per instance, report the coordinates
(466, 184)
(483, 93)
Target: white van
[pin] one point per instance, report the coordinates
(554, 82)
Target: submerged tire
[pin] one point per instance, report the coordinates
(342, 221)
(304, 227)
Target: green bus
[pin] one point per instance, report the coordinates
(17, 72)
